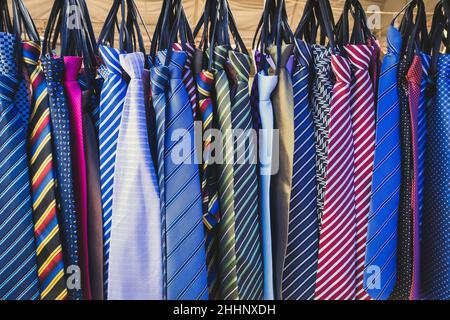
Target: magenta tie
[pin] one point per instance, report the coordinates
(74, 99)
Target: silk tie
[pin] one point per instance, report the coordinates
(254, 96)
(22, 100)
(436, 221)
(72, 66)
(135, 262)
(381, 246)
(363, 118)
(283, 110)
(59, 114)
(402, 288)
(414, 78)
(188, 76)
(375, 65)
(185, 237)
(227, 235)
(248, 233)
(336, 274)
(266, 85)
(299, 275)
(111, 106)
(19, 268)
(205, 82)
(321, 96)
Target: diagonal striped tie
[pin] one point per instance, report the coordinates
(185, 237)
(299, 275)
(135, 261)
(381, 244)
(18, 266)
(205, 82)
(111, 105)
(336, 274)
(188, 76)
(363, 118)
(246, 191)
(227, 235)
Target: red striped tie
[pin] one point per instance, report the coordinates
(363, 118)
(337, 259)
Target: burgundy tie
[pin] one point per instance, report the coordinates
(74, 98)
(414, 78)
(337, 256)
(363, 118)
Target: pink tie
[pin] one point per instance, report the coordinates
(74, 102)
(414, 78)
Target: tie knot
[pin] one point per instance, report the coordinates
(241, 64)
(176, 63)
(322, 57)
(31, 52)
(220, 57)
(8, 53)
(111, 59)
(8, 86)
(394, 40)
(302, 52)
(133, 64)
(415, 71)
(266, 85)
(159, 79)
(341, 69)
(205, 81)
(359, 55)
(188, 48)
(53, 68)
(72, 67)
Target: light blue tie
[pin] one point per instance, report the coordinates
(111, 105)
(380, 266)
(135, 260)
(184, 228)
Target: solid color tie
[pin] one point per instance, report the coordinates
(321, 96)
(283, 111)
(404, 230)
(414, 78)
(254, 94)
(300, 268)
(72, 66)
(205, 82)
(266, 85)
(336, 274)
(185, 236)
(363, 118)
(436, 220)
(111, 105)
(248, 227)
(135, 261)
(19, 268)
(381, 246)
(188, 76)
(59, 114)
(227, 235)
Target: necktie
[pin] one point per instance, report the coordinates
(436, 221)
(254, 96)
(188, 76)
(205, 82)
(135, 261)
(185, 237)
(404, 248)
(22, 100)
(266, 85)
(303, 239)
(72, 66)
(111, 106)
(283, 110)
(19, 268)
(227, 235)
(321, 96)
(414, 78)
(336, 274)
(248, 233)
(381, 245)
(59, 114)
(363, 118)
(375, 65)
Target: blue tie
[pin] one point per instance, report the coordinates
(184, 228)
(18, 265)
(22, 101)
(299, 275)
(436, 218)
(111, 105)
(381, 246)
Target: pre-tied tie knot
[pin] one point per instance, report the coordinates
(31, 52)
(159, 79)
(241, 64)
(176, 63)
(53, 68)
(394, 40)
(205, 81)
(302, 52)
(266, 85)
(341, 68)
(220, 57)
(359, 55)
(111, 60)
(133, 64)
(415, 71)
(72, 66)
